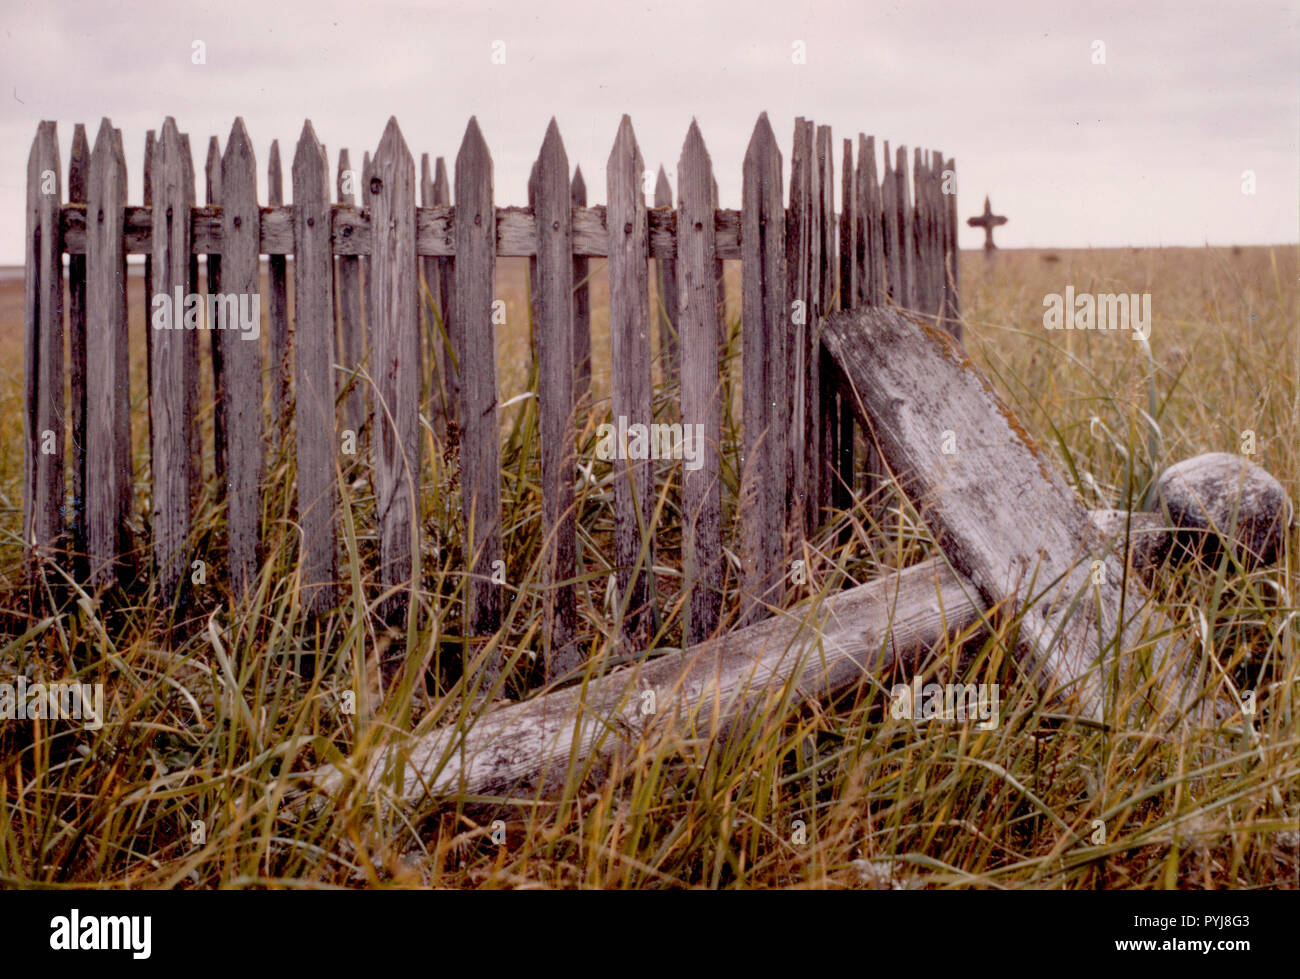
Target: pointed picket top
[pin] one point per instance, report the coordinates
(105, 143)
(578, 190)
(663, 189)
(441, 185)
(309, 151)
(626, 153)
(238, 145)
(212, 170)
(392, 145)
(79, 164)
(275, 176)
(346, 196)
(763, 140)
(426, 181)
(473, 148)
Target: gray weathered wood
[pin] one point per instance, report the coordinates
(720, 277)
(798, 262)
(1001, 511)
(192, 350)
(480, 454)
(351, 327)
(629, 332)
(820, 651)
(822, 412)
(43, 489)
(433, 349)
(367, 208)
(78, 173)
(667, 288)
(890, 228)
(871, 234)
(581, 303)
(766, 396)
(952, 266)
(700, 391)
(313, 320)
(395, 352)
(277, 308)
(850, 229)
(175, 475)
(555, 403)
(434, 231)
(906, 295)
(107, 432)
(526, 750)
(150, 143)
(212, 180)
(449, 383)
(242, 361)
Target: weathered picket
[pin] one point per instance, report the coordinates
(393, 316)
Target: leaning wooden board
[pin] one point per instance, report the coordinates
(1004, 515)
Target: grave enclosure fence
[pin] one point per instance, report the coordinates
(390, 295)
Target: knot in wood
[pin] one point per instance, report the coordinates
(238, 221)
(376, 185)
(627, 228)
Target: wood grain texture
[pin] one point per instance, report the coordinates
(395, 355)
(212, 182)
(43, 472)
(820, 650)
(630, 389)
(799, 270)
(704, 692)
(277, 308)
(871, 234)
(352, 331)
(1001, 511)
(701, 409)
(449, 383)
(242, 362)
(432, 332)
(480, 454)
(952, 263)
(434, 235)
(850, 229)
(581, 302)
(108, 401)
(313, 356)
(666, 284)
(906, 293)
(556, 405)
(822, 412)
(890, 229)
(150, 143)
(173, 367)
(78, 176)
(765, 392)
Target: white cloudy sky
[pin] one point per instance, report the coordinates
(1148, 148)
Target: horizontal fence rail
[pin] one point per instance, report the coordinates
(393, 297)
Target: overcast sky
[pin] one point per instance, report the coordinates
(1148, 148)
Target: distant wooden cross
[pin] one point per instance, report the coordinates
(988, 221)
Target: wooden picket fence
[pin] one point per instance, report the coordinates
(357, 271)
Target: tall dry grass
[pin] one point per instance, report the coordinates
(185, 785)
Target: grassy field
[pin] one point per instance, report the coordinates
(183, 785)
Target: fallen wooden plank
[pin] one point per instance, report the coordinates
(823, 648)
(999, 507)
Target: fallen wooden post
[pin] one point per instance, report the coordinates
(1000, 509)
(822, 649)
